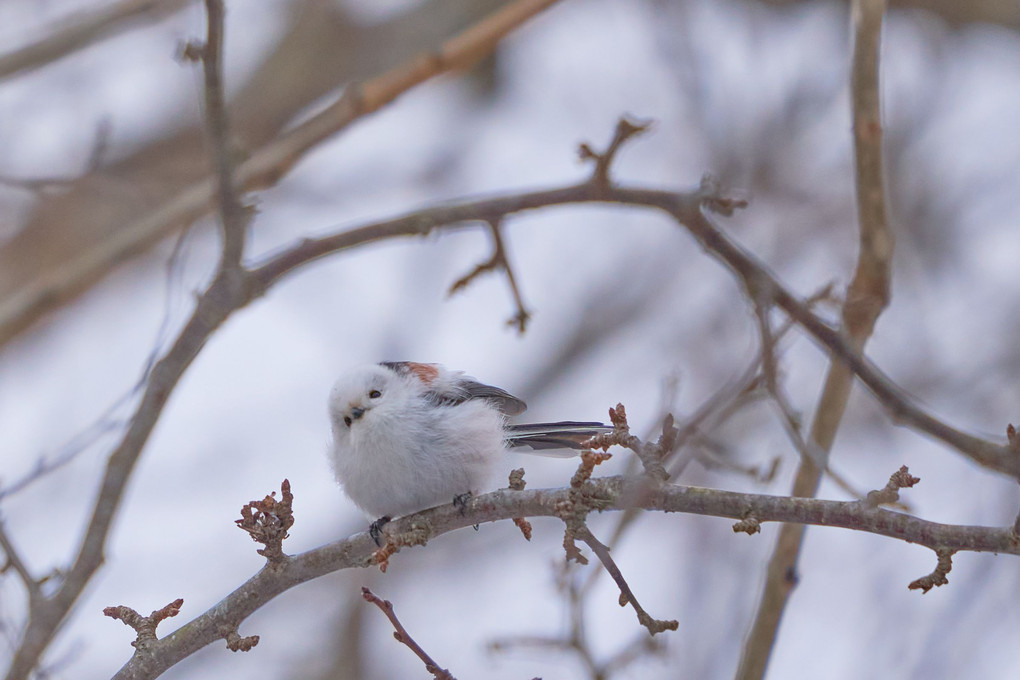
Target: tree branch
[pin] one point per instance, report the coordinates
(15, 562)
(609, 493)
(686, 209)
(401, 635)
(498, 260)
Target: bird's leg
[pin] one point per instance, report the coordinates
(375, 528)
(461, 500)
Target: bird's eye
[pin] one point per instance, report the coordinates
(347, 421)
(374, 394)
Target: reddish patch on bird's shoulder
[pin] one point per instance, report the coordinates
(425, 372)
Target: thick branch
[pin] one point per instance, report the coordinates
(614, 493)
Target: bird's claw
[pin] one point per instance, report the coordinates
(375, 528)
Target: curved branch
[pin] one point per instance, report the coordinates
(609, 493)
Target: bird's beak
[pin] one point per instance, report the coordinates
(357, 412)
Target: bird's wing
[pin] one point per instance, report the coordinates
(452, 387)
(507, 403)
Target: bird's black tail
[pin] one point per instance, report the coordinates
(545, 437)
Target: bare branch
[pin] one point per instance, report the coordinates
(517, 483)
(15, 562)
(145, 626)
(497, 261)
(625, 129)
(626, 594)
(685, 208)
(401, 635)
(901, 479)
(610, 493)
(937, 577)
(651, 455)
(790, 420)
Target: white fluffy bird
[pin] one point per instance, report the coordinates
(409, 436)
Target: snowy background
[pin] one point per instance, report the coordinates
(625, 304)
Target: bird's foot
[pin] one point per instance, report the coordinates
(461, 500)
(375, 528)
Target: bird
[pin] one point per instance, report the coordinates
(409, 436)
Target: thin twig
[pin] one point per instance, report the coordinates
(789, 419)
(939, 576)
(626, 594)
(144, 626)
(498, 260)
(401, 635)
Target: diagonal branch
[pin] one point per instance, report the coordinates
(15, 562)
(686, 209)
(626, 595)
(401, 635)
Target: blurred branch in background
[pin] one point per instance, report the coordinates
(123, 208)
(866, 297)
(1003, 12)
(83, 29)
